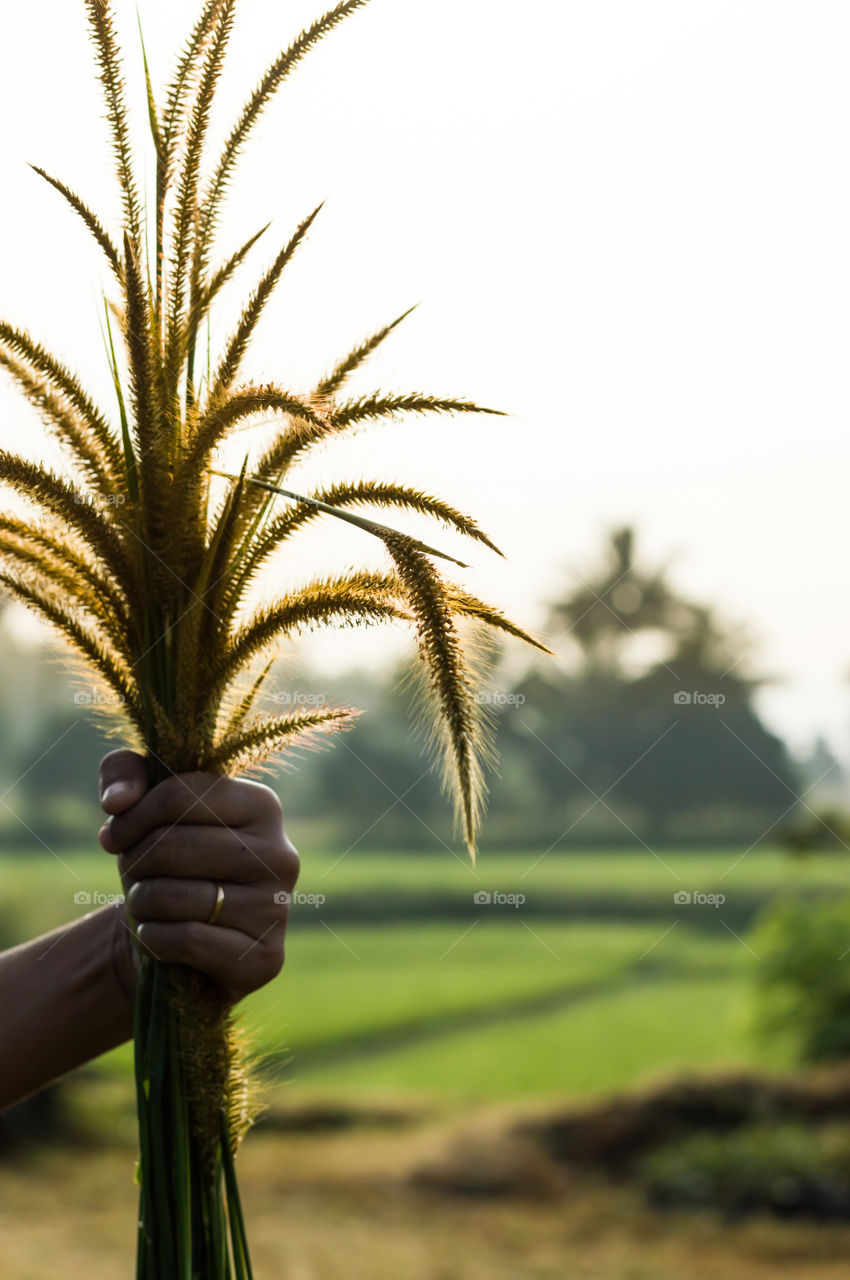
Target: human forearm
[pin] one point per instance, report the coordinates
(65, 998)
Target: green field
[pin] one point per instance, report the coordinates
(399, 983)
(399, 988)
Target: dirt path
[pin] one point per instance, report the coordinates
(338, 1208)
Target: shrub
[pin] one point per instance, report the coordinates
(786, 1169)
(804, 977)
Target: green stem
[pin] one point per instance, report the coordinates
(190, 1223)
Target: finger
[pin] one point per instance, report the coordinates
(123, 780)
(250, 910)
(201, 799)
(209, 853)
(239, 963)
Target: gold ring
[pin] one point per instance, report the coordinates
(219, 903)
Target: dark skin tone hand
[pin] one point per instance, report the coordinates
(175, 843)
(67, 996)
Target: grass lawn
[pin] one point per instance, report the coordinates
(400, 982)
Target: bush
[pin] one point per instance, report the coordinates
(787, 1170)
(804, 977)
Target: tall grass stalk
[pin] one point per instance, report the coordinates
(148, 577)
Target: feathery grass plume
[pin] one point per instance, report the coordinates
(342, 372)
(264, 738)
(274, 77)
(41, 549)
(100, 444)
(225, 411)
(450, 679)
(92, 222)
(238, 344)
(373, 408)
(349, 517)
(187, 196)
(109, 62)
(64, 424)
(345, 601)
(200, 305)
(55, 573)
(244, 703)
(146, 574)
(73, 511)
(305, 431)
(335, 500)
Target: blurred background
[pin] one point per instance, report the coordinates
(629, 1021)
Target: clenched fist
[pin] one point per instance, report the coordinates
(207, 869)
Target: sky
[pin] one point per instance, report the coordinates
(626, 224)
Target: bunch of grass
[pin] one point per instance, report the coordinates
(131, 560)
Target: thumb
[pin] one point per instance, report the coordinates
(123, 780)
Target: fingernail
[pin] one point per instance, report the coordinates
(105, 837)
(116, 791)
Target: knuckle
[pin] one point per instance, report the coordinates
(175, 795)
(157, 851)
(203, 789)
(250, 857)
(283, 861)
(155, 941)
(135, 863)
(119, 832)
(292, 861)
(271, 958)
(116, 763)
(261, 801)
(140, 899)
(192, 938)
(272, 804)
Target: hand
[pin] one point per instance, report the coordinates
(176, 842)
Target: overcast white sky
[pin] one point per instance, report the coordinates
(627, 223)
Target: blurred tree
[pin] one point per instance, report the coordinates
(623, 618)
(603, 615)
(646, 731)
